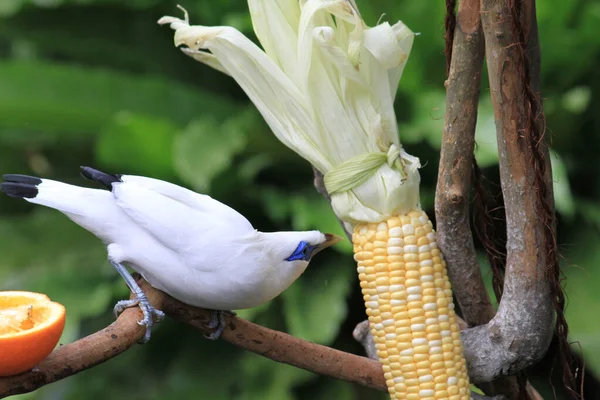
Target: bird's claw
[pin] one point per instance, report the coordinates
(217, 322)
(157, 316)
(122, 305)
(151, 314)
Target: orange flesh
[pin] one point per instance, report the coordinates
(30, 327)
(16, 319)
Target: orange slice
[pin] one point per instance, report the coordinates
(30, 327)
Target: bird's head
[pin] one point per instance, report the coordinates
(311, 244)
(294, 250)
(285, 256)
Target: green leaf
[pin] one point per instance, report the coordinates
(253, 165)
(138, 144)
(428, 123)
(207, 148)
(486, 145)
(316, 304)
(582, 294)
(563, 197)
(10, 7)
(308, 210)
(334, 389)
(203, 370)
(277, 204)
(63, 99)
(47, 253)
(577, 99)
(590, 212)
(264, 379)
(251, 313)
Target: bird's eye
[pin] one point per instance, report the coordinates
(302, 252)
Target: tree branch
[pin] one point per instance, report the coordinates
(452, 193)
(101, 346)
(520, 333)
(454, 178)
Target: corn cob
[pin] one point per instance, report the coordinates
(409, 304)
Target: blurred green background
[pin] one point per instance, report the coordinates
(99, 83)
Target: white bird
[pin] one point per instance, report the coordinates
(186, 244)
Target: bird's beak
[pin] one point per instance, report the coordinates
(331, 239)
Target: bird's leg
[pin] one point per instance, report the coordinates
(217, 322)
(140, 300)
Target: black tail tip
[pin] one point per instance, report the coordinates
(16, 178)
(101, 177)
(19, 190)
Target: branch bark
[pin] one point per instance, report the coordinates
(454, 175)
(454, 178)
(101, 346)
(520, 332)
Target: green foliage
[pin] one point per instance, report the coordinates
(307, 210)
(319, 300)
(98, 82)
(205, 148)
(137, 143)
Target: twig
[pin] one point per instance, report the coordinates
(101, 346)
(452, 193)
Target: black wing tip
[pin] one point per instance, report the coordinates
(19, 190)
(17, 178)
(101, 177)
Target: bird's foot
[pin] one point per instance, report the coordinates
(217, 322)
(151, 314)
(122, 305)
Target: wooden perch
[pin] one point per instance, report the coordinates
(101, 346)
(122, 334)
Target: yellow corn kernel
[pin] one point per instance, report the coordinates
(412, 321)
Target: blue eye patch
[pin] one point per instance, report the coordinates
(302, 252)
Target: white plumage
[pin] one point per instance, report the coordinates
(188, 245)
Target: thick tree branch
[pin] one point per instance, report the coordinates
(521, 331)
(452, 193)
(454, 178)
(101, 346)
